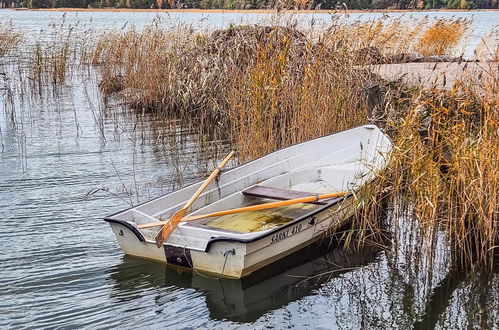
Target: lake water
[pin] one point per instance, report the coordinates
(66, 161)
(483, 22)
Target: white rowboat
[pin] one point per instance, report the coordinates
(238, 244)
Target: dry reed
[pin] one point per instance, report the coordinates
(446, 164)
(271, 86)
(9, 38)
(442, 37)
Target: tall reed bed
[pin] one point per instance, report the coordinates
(258, 82)
(446, 162)
(9, 38)
(270, 86)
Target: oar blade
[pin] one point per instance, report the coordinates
(168, 228)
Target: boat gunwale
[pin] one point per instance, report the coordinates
(132, 226)
(276, 229)
(263, 234)
(128, 225)
(366, 126)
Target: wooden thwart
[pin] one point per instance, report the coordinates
(247, 209)
(278, 193)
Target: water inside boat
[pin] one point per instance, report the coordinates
(253, 221)
(261, 220)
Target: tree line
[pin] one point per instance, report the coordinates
(257, 4)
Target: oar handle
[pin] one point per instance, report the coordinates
(170, 225)
(208, 181)
(244, 209)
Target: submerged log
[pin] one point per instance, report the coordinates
(412, 57)
(443, 58)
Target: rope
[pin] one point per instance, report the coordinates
(225, 254)
(217, 180)
(195, 270)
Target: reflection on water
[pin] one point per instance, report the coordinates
(334, 289)
(243, 300)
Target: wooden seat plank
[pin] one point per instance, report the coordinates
(279, 194)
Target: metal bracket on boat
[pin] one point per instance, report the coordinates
(231, 251)
(312, 221)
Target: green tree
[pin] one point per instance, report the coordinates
(41, 4)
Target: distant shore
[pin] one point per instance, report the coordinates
(256, 11)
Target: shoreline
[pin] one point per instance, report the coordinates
(251, 11)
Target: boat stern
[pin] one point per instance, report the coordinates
(132, 242)
(187, 247)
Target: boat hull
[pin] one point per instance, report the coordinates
(341, 162)
(237, 258)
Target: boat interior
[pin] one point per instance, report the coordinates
(306, 182)
(303, 183)
(295, 172)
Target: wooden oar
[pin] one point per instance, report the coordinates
(248, 208)
(169, 226)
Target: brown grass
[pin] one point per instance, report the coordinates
(442, 37)
(9, 38)
(447, 164)
(272, 86)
